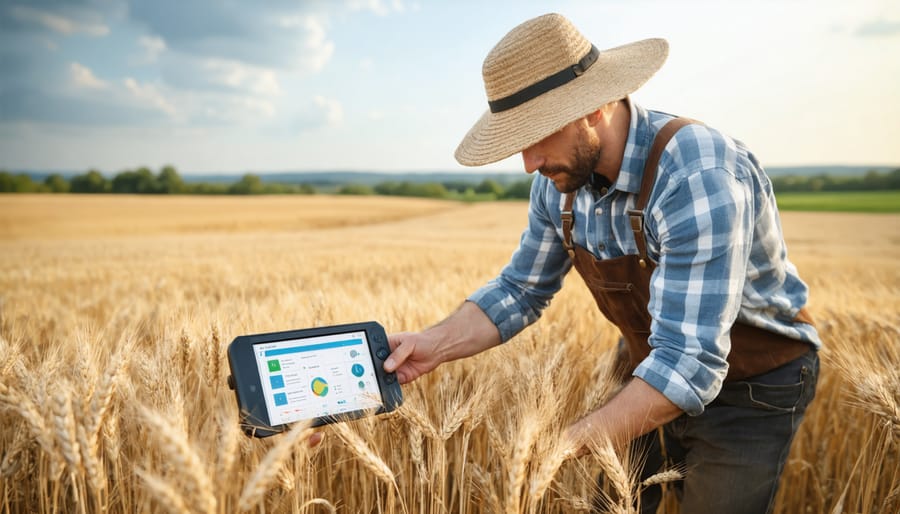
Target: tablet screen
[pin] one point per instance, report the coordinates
(317, 376)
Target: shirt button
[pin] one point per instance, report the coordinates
(601, 246)
(604, 190)
(598, 211)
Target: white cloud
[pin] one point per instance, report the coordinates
(238, 76)
(378, 7)
(83, 77)
(153, 46)
(256, 107)
(149, 96)
(57, 23)
(331, 108)
(229, 109)
(317, 49)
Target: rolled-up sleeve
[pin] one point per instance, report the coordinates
(524, 288)
(703, 224)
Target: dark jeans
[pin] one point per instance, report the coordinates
(734, 452)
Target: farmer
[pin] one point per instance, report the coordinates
(674, 228)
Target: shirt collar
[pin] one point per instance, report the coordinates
(640, 137)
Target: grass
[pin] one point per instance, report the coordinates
(862, 201)
(112, 362)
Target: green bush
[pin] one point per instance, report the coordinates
(90, 182)
(355, 189)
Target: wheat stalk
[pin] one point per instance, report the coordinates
(268, 469)
(369, 459)
(559, 451)
(92, 465)
(213, 357)
(417, 452)
(320, 501)
(614, 470)
(65, 430)
(415, 416)
(36, 423)
(186, 463)
(519, 461)
(227, 447)
(487, 485)
(163, 492)
(669, 475)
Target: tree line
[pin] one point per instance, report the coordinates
(168, 181)
(142, 181)
(871, 181)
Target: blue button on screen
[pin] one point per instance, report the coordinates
(277, 381)
(280, 399)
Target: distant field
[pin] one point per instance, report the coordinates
(73, 215)
(862, 201)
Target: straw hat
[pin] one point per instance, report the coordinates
(545, 74)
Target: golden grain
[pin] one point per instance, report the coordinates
(117, 306)
(271, 465)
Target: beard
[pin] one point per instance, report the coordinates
(567, 179)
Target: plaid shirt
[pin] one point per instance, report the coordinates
(713, 229)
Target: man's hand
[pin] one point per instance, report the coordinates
(635, 410)
(465, 332)
(412, 355)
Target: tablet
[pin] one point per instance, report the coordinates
(323, 374)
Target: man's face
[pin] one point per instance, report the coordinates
(567, 157)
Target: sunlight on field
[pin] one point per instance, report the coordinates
(74, 216)
(115, 313)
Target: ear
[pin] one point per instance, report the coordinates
(594, 118)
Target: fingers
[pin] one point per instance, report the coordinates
(394, 340)
(401, 351)
(315, 439)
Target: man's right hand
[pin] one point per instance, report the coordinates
(412, 355)
(465, 332)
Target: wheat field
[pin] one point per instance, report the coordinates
(115, 313)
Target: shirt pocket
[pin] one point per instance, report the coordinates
(622, 303)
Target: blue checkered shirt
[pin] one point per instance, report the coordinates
(713, 229)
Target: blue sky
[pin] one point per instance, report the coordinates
(393, 85)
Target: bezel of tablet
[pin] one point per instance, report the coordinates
(247, 381)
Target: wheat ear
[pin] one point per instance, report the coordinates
(163, 492)
(359, 447)
(186, 462)
(268, 469)
(320, 501)
(66, 431)
(561, 449)
(669, 475)
(519, 460)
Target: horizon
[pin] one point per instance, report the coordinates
(807, 169)
(316, 85)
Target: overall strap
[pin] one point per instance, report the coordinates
(636, 215)
(567, 223)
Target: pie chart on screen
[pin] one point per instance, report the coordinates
(319, 386)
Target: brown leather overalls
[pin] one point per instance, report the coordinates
(621, 287)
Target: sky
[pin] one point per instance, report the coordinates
(227, 86)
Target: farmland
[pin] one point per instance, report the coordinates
(842, 201)
(115, 313)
